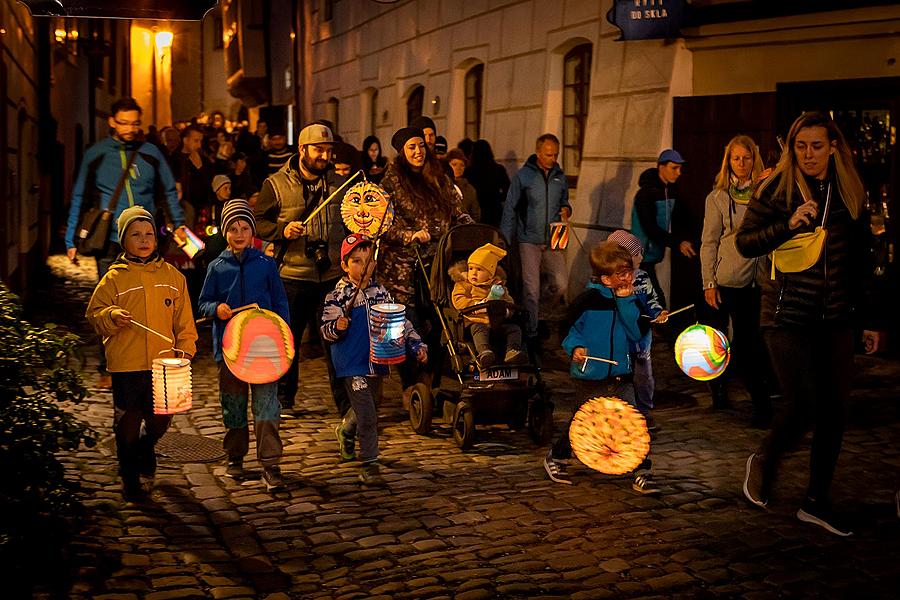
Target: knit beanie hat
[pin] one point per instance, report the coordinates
(129, 216)
(487, 257)
(404, 135)
(235, 210)
(423, 122)
(627, 241)
(218, 181)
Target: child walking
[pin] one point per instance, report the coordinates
(604, 323)
(349, 338)
(243, 275)
(478, 280)
(649, 305)
(141, 287)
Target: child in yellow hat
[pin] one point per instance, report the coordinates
(478, 280)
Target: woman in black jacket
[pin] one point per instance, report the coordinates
(807, 316)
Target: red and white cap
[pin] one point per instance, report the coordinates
(352, 241)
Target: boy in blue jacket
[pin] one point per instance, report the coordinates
(604, 323)
(349, 337)
(243, 275)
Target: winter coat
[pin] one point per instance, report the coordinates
(533, 202)
(604, 325)
(251, 278)
(280, 201)
(466, 294)
(469, 203)
(648, 304)
(156, 295)
(350, 348)
(720, 262)
(651, 215)
(491, 183)
(826, 292)
(101, 167)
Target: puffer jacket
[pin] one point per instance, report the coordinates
(466, 294)
(281, 201)
(822, 294)
(155, 294)
(651, 215)
(720, 262)
(533, 202)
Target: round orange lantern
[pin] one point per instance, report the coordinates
(609, 435)
(258, 346)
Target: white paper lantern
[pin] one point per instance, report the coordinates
(171, 385)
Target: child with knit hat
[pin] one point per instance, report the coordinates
(139, 287)
(243, 275)
(478, 280)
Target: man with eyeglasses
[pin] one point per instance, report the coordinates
(149, 177)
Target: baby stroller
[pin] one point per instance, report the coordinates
(506, 394)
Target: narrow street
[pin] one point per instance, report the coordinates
(483, 524)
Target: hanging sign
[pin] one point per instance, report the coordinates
(647, 19)
(177, 10)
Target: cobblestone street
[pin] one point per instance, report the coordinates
(487, 523)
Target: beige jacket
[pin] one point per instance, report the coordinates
(466, 294)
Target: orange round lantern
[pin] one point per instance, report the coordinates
(609, 435)
(258, 346)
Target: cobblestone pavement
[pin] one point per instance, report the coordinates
(487, 523)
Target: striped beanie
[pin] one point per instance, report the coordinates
(627, 241)
(234, 210)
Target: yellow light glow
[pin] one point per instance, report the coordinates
(164, 39)
(73, 35)
(2, 31)
(60, 35)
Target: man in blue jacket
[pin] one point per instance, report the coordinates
(538, 195)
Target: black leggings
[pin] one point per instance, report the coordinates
(814, 367)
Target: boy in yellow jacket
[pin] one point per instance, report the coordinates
(139, 286)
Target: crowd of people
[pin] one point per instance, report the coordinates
(280, 248)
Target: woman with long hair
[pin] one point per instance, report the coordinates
(490, 180)
(373, 161)
(730, 281)
(425, 206)
(807, 316)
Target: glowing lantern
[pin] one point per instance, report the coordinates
(609, 435)
(171, 385)
(364, 207)
(258, 346)
(387, 345)
(702, 352)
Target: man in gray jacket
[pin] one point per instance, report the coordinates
(308, 253)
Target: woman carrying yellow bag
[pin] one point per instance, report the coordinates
(808, 307)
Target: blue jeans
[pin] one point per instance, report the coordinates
(234, 395)
(362, 420)
(533, 258)
(644, 384)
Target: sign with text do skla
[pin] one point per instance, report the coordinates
(647, 19)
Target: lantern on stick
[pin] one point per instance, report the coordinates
(171, 385)
(366, 209)
(702, 352)
(609, 435)
(257, 346)
(387, 345)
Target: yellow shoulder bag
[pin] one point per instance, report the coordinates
(804, 249)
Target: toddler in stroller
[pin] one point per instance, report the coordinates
(476, 281)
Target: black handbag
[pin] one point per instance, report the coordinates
(92, 234)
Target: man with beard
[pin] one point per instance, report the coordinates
(308, 254)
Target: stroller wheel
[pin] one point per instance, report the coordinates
(464, 426)
(540, 421)
(421, 408)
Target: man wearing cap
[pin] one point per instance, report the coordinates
(307, 247)
(651, 215)
(426, 124)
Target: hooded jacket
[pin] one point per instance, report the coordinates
(155, 294)
(604, 325)
(720, 262)
(150, 178)
(466, 294)
(651, 215)
(251, 278)
(533, 202)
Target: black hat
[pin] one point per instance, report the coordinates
(440, 144)
(423, 122)
(404, 135)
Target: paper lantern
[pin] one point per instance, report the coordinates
(257, 346)
(702, 352)
(609, 435)
(171, 385)
(387, 345)
(364, 207)
(559, 236)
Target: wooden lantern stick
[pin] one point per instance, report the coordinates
(598, 359)
(674, 312)
(330, 198)
(244, 307)
(153, 331)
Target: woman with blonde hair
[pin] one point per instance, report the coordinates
(730, 281)
(807, 315)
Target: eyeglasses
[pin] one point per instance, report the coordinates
(134, 124)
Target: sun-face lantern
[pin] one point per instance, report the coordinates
(171, 385)
(609, 435)
(387, 345)
(258, 346)
(702, 352)
(364, 207)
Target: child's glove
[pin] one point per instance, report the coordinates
(496, 292)
(120, 317)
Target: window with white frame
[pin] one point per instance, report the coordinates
(576, 97)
